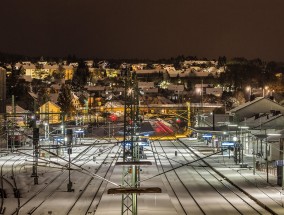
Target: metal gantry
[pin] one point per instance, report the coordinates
(130, 145)
(131, 158)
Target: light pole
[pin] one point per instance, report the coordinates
(254, 159)
(234, 139)
(242, 141)
(266, 158)
(282, 167)
(248, 89)
(46, 131)
(69, 136)
(261, 137)
(263, 90)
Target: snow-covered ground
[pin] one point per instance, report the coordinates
(190, 189)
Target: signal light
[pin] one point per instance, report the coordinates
(113, 117)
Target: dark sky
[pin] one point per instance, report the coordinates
(143, 28)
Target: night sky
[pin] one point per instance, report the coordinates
(150, 29)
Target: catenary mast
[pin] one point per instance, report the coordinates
(131, 158)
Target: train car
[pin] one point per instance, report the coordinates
(16, 140)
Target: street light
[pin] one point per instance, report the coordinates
(231, 125)
(46, 131)
(242, 141)
(248, 89)
(261, 137)
(263, 90)
(236, 147)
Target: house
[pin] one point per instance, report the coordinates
(148, 87)
(50, 113)
(39, 72)
(177, 88)
(216, 91)
(75, 101)
(96, 90)
(138, 66)
(145, 85)
(69, 71)
(190, 63)
(29, 69)
(150, 74)
(21, 117)
(89, 63)
(112, 73)
(50, 68)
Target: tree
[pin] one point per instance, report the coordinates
(229, 100)
(65, 99)
(16, 85)
(39, 71)
(221, 61)
(80, 77)
(43, 96)
(59, 73)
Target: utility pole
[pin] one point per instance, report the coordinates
(69, 135)
(188, 118)
(36, 151)
(13, 124)
(35, 146)
(282, 156)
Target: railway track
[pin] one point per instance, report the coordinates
(233, 200)
(40, 201)
(10, 189)
(273, 202)
(80, 205)
(43, 190)
(190, 201)
(261, 185)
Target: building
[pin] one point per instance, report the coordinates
(22, 115)
(254, 107)
(50, 113)
(2, 90)
(69, 71)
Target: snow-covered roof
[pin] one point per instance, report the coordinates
(96, 88)
(113, 104)
(256, 100)
(68, 67)
(148, 71)
(29, 66)
(258, 105)
(265, 120)
(27, 78)
(53, 97)
(19, 109)
(48, 66)
(33, 95)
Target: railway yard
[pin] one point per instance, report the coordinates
(192, 181)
